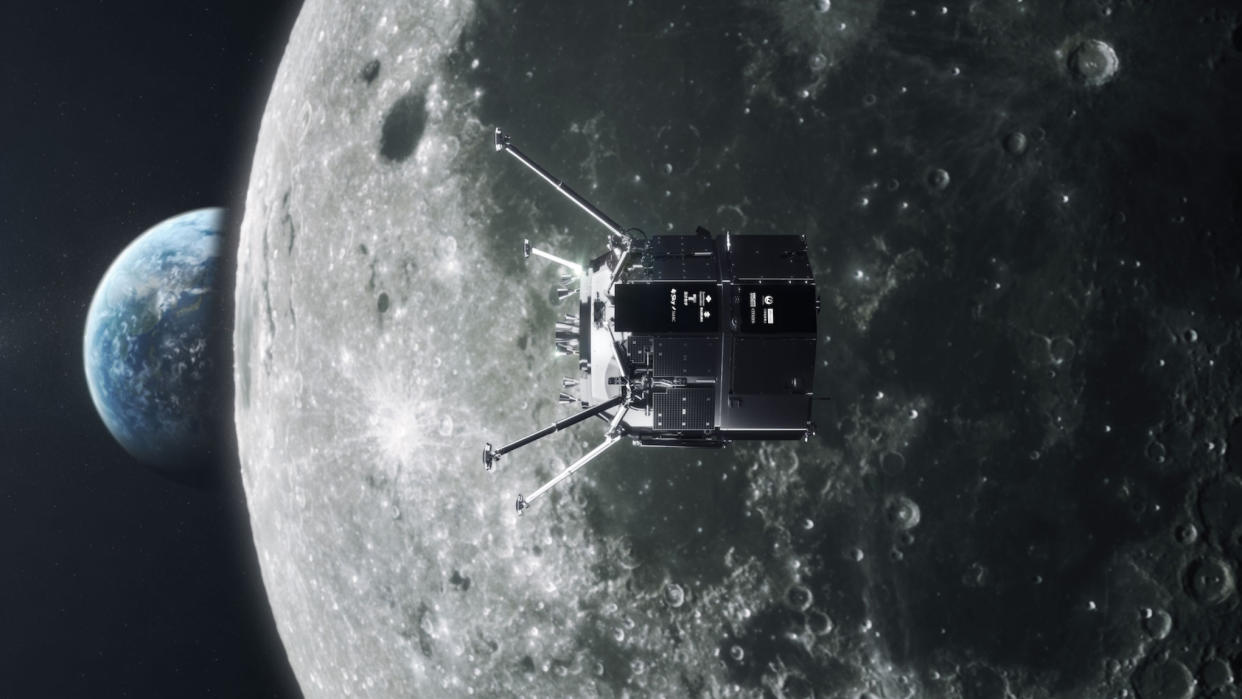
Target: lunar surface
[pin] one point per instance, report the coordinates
(1023, 218)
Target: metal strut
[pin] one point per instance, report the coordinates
(491, 456)
(528, 250)
(614, 435)
(503, 143)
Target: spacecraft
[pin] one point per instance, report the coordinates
(692, 340)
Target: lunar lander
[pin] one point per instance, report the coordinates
(682, 340)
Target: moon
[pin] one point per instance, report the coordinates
(1024, 482)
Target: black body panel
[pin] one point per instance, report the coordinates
(666, 307)
(741, 369)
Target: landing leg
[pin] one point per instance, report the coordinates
(528, 250)
(524, 503)
(504, 143)
(491, 454)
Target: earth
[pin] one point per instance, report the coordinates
(1024, 222)
(148, 340)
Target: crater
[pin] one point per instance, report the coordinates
(674, 595)
(902, 513)
(369, 71)
(1157, 623)
(798, 597)
(938, 179)
(403, 127)
(1210, 581)
(1167, 679)
(1093, 62)
(1015, 143)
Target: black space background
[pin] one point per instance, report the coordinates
(115, 581)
